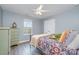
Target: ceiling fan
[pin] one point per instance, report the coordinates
(39, 10)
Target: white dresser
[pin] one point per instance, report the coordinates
(14, 36)
(5, 40)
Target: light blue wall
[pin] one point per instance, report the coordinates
(0, 16)
(38, 26)
(68, 20)
(9, 18)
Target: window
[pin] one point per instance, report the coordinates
(27, 26)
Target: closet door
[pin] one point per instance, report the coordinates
(49, 26)
(4, 42)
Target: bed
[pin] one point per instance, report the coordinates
(53, 47)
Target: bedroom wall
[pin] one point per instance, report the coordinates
(9, 18)
(68, 20)
(0, 16)
(38, 26)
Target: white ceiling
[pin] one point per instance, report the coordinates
(27, 9)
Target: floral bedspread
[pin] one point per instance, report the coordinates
(52, 47)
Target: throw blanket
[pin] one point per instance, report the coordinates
(52, 47)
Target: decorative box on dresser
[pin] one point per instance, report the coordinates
(14, 36)
(5, 40)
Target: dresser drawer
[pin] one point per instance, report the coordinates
(14, 36)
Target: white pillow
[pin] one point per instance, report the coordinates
(75, 43)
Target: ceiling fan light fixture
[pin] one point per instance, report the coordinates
(39, 10)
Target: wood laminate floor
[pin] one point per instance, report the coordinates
(24, 49)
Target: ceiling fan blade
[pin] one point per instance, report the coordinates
(40, 7)
(44, 11)
(38, 13)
